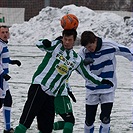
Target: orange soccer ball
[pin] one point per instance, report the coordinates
(69, 21)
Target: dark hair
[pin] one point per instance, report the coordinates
(4, 26)
(87, 37)
(69, 33)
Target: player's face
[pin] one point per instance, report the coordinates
(68, 42)
(4, 34)
(91, 46)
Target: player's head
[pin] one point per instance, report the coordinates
(89, 40)
(69, 37)
(4, 33)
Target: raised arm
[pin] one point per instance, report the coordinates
(46, 45)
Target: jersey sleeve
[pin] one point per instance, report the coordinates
(123, 51)
(87, 74)
(42, 46)
(81, 52)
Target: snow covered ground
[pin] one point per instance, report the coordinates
(30, 56)
(47, 24)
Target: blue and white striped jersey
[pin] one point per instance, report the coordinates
(104, 64)
(4, 58)
(4, 67)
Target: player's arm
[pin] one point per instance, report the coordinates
(3, 76)
(122, 50)
(43, 44)
(46, 45)
(87, 60)
(16, 62)
(88, 75)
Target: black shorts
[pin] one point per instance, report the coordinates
(40, 105)
(7, 101)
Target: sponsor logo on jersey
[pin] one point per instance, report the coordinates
(62, 69)
(64, 60)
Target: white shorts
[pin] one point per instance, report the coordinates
(93, 99)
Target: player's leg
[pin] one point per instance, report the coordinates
(63, 107)
(59, 108)
(45, 117)
(90, 118)
(106, 108)
(105, 117)
(7, 112)
(69, 122)
(35, 100)
(58, 125)
(92, 101)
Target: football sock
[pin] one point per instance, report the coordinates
(88, 129)
(104, 128)
(7, 117)
(68, 127)
(20, 129)
(58, 125)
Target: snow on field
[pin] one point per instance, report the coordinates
(121, 118)
(47, 25)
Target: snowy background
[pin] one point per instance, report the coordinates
(47, 25)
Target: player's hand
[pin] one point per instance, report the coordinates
(46, 43)
(17, 62)
(105, 81)
(6, 77)
(88, 61)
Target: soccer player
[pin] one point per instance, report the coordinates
(103, 52)
(49, 80)
(63, 107)
(5, 95)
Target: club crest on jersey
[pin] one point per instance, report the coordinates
(64, 60)
(62, 69)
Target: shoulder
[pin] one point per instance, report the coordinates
(108, 43)
(55, 42)
(82, 50)
(76, 56)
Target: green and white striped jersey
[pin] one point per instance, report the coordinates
(57, 67)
